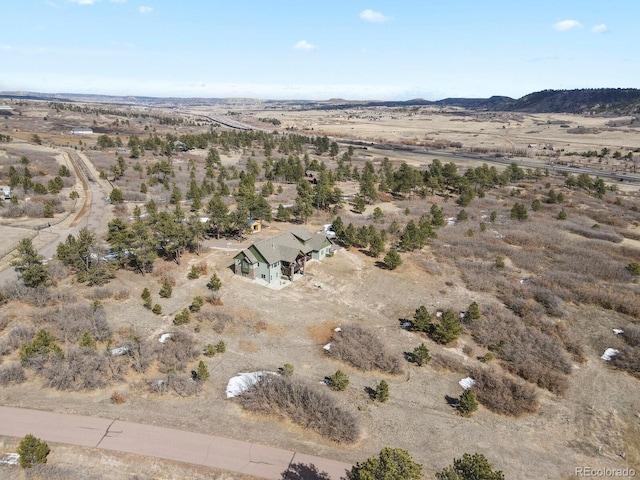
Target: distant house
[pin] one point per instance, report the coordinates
(284, 255)
(81, 131)
(6, 192)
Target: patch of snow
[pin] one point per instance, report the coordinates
(241, 382)
(337, 329)
(609, 353)
(451, 221)
(463, 314)
(438, 314)
(119, 351)
(164, 337)
(618, 331)
(9, 459)
(406, 325)
(467, 383)
(498, 234)
(327, 347)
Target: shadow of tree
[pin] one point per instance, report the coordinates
(382, 265)
(453, 402)
(301, 471)
(371, 392)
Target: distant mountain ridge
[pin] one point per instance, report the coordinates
(604, 101)
(611, 101)
(588, 100)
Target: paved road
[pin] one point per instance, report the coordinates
(166, 443)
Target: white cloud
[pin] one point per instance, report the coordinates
(565, 25)
(304, 45)
(83, 2)
(600, 28)
(145, 10)
(118, 1)
(369, 15)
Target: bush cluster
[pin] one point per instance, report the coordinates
(502, 394)
(303, 403)
(529, 352)
(360, 347)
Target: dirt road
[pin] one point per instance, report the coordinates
(171, 444)
(93, 213)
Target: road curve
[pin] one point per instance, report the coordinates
(166, 443)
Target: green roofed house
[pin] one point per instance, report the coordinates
(282, 257)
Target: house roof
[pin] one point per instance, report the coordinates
(302, 233)
(250, 256)
(285, 246)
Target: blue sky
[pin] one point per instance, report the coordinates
(318, 49)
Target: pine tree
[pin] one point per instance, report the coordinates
(202, 374)
(339, 381)
(437, 216)
(467, 403)
(214, 283)
(382, 392)
(390, 464)
(29, 266)
(166, 290)
(470, 467)
(519, 212)
(32, 451)
(392, 260)
(146, 296)
(448, 329)
(473, 312)
(193, 273)
(182, 317)
(283, 214)
(421, 320)
(420, 355)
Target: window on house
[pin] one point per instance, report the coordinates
(264, 277)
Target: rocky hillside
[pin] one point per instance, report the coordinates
(618, 101)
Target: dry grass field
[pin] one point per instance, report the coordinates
(548, 312)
